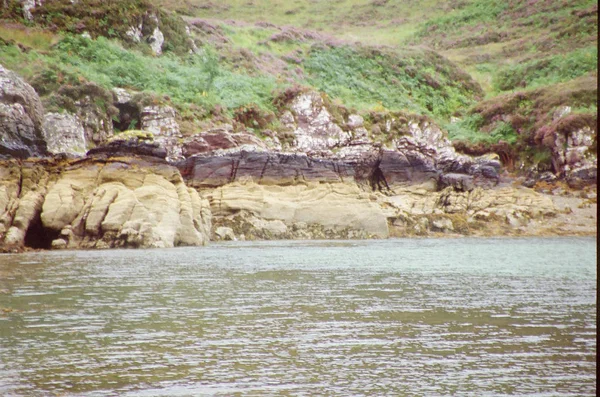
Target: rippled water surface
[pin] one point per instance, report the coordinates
(414, 317)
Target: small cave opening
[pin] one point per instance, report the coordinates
(37, 237)
(128, 119)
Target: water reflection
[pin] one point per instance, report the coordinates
(396, 317)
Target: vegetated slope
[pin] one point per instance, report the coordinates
(541, 50)
(235, 67)
(483, 36)
(243, 61)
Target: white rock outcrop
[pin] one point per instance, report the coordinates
(64, 134)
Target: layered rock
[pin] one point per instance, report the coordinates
(246, 210)
(21, 118)
(220, 139)
(342, 177)
(135, 202)
(305, 211)
(501, 211)
(263, 168)
(128, 148)
(417, 153)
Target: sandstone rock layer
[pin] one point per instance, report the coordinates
(98, 204)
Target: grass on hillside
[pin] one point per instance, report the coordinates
(484, 37)
(546, 71)
(198, 79)
(417, 81)
(525, 119)
(40, 40)
(360, 77)
(530, 56)
(253, 66)
(502, 43)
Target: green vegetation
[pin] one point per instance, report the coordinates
(250, 66)
(471, 129)
(107, 18)
(418, 81)
(471, 13)
(197, 79)
(501, 68)
(546, 71)
(28, 37)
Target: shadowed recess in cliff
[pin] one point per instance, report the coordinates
(128, 119)
(38, 237)
(377, 179)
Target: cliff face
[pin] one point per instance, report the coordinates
(319, 177)
(21, 118)
(94, 203)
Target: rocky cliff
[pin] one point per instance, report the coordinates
(321, 175)
(21, 118)
(99, 203)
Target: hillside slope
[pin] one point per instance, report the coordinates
(493, 76)
(544, 51)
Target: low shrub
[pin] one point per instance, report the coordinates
(554, 69)
(364, 78)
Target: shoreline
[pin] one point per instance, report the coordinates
(432, 235)
(123, 202)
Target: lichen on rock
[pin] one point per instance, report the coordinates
(21, 118)
(64, 133)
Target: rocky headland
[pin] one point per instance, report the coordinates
(69, 181)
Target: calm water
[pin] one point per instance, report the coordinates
(414, 317)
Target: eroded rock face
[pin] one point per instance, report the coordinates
(91, 204)
(22, 192)
(21, 118)
(64, 133)
(343, 210)
(263, 168)
(573, 156)
(314, 210)
(160, 120)
(313, 125)
(27, 6)
(220, 139)
(147, 29)
(417, 211)
(156, 39)
(426, 144)
(571, 139)
(93, 107)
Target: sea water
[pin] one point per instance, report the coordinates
(413, 317)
